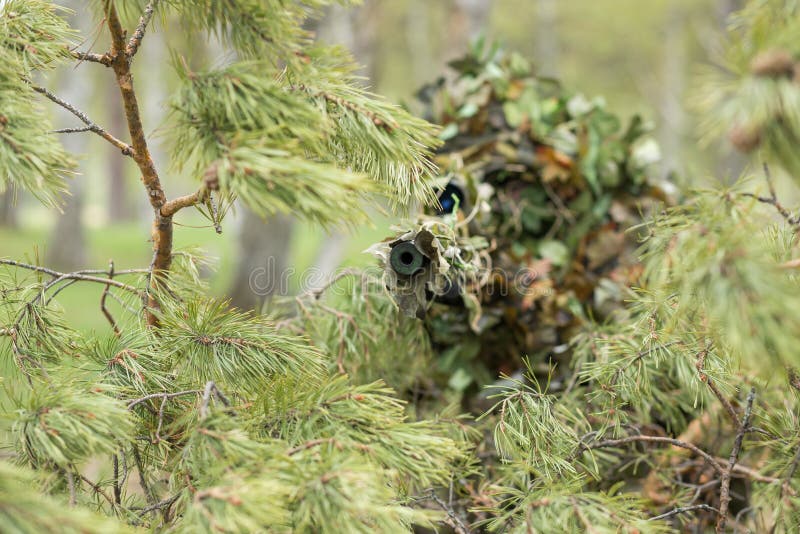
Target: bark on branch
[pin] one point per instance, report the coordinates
(173, 206)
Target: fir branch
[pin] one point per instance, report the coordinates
(126, 149)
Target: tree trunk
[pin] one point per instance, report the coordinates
(67, 245)
(465, 21)
(263, 252)
(8, 209)
(355, 29)
(264, 245)
(730, 164)
(546, 35)
(118, 205)
(673, 85)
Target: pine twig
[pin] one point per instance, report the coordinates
(160, 419)
(700, 365)
(126, 149)
(310, 445)
(72, 130)
(659, 439)
(98, 490)
(103, 59)
(103, 307)
(117, 490)
(136, 40)
(457, 524)
(171, 207)
(725, 485)
(134, 402)
(684, 510)
(772, 200)
(137, 457)
(166, 503)
(214, 213)
(77, 275)
(210, 388)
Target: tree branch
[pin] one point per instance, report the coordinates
(126, 149)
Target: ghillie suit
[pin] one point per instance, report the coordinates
(540, 188)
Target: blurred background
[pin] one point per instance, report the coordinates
(643, 57)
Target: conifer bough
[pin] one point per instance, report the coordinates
(188, 415)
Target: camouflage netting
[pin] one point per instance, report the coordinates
(539, 190)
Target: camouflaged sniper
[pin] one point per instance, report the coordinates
(538, 188)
